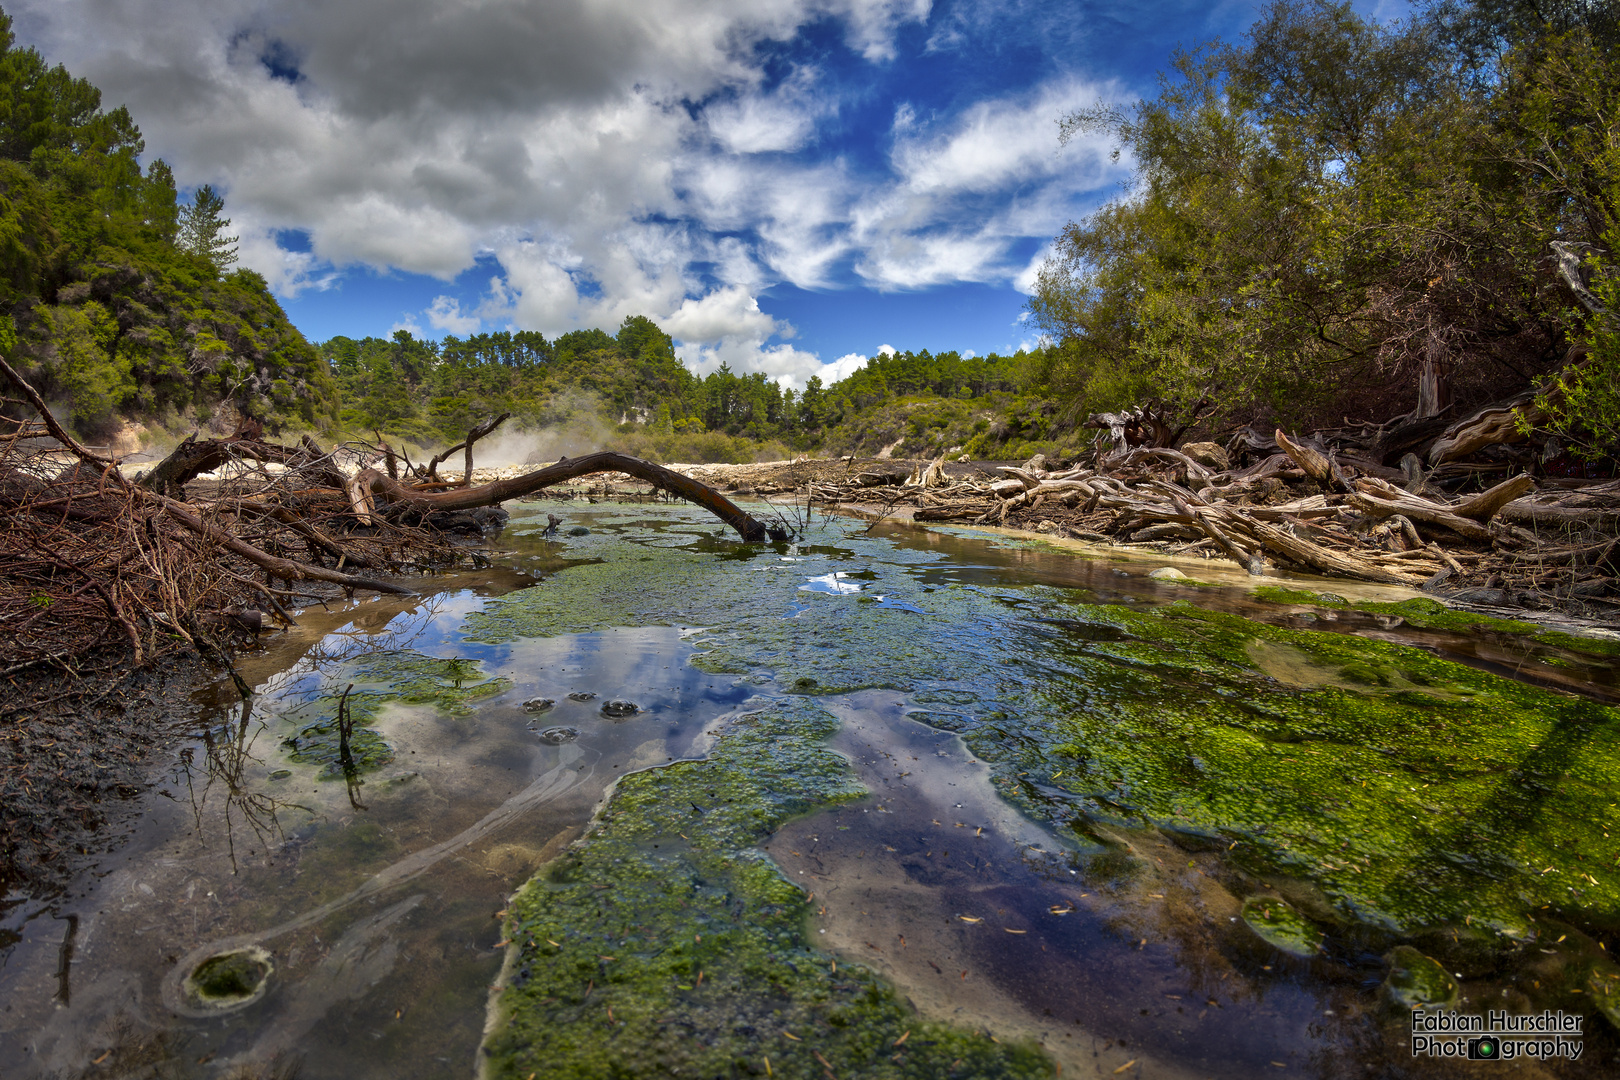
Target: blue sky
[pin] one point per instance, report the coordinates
(783, 185)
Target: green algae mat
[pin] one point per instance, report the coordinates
(1411, 794)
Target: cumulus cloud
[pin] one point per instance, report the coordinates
(614, 157)
(445, 314)
(968, 185)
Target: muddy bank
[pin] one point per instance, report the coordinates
(75, 746)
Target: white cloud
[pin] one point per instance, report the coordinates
(1024, 280)
(725, 313)
(782, 120)
(614, 157)
(887, 350)
(968, 185)
(407, 324)
(444, 314)
(872, 26)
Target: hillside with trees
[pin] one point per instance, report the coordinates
(120, 298)
(630, 392)
(1332, 221)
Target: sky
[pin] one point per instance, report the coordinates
(785, 186)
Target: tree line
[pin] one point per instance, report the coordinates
(436, 390)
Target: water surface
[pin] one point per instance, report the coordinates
(1030, 862)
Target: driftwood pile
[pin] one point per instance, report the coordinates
(1305, 507)
(159, 561)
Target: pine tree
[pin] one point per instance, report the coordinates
(201, 226)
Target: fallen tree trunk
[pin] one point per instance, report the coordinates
(373, 483)
(282, 568)
(1503, 422)
(1314, 555)
(192, 458)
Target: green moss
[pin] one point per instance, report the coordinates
(229, 978)
(1280, 925)
(1428, 614)
(318, 744)
(1279, 594)
(452, 686)
(1414, 791)
(833, 644)
(666, 945)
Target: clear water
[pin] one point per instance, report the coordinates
(377, 900)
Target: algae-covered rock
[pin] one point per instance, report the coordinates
(698, 932)
(1280, 925)
(1413, 791)
(1415, 981)
(229, 980)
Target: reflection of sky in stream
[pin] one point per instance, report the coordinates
(394, 982)
(977, 912)
(389, 981)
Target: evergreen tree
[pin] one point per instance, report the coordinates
(201, 227)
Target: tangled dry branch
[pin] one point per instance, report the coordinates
(160, 561)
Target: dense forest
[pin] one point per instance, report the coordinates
(1337, 219)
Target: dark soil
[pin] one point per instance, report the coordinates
(74, 740)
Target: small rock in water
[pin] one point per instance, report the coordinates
(1280, 925)
(1168, 573)
(556, 736)
(579, 530)
(581, 695)
(1415, 981)
(281, 774)
(620, 709)
(538, 704)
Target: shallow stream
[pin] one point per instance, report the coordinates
(886, 802)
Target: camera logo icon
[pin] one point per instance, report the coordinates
(1484, 1048)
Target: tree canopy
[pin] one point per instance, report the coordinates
(1333, 213)
(202, 226)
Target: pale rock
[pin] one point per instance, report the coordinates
(1208, 454)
